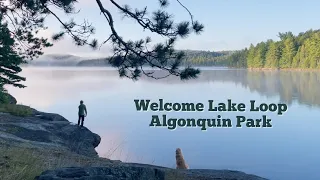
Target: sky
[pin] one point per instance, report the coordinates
(229, 24)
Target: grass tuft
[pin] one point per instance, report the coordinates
(16, 109)
(24, 163)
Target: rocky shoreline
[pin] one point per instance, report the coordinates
(45, 131)
(48, 130)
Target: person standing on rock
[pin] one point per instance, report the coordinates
(82, 113)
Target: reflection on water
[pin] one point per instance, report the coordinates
(288, 85)
(286, 151)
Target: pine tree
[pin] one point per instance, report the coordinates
(260, 53)
(257, 60)
(287, 54)
(296, 59)
(272, 57)
(251, 55)
(314, 51)
(10, 61)
(302, 57)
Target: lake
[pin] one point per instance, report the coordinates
(290, 150)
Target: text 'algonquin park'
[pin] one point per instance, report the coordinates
(159, 90)
(173, 123)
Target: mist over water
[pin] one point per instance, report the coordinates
(288, 151)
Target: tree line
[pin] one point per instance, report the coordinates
(300, 51)
(205, 58)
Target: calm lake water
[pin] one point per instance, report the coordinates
(290, 150)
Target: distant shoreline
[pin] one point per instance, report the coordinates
(201, 67)
(114, 68)
(281, 69)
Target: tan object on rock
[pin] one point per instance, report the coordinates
(181, 164)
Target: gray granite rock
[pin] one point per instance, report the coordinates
(49, 129)
(141, 172)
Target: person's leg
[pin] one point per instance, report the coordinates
(79, 120)
(82, 119)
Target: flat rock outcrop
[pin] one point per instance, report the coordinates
(48, 130)
(130, 171)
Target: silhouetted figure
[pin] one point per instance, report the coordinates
(82, 113)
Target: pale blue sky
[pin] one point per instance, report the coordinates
(229, 24)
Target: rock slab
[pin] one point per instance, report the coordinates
(141, 172)
(48, 129)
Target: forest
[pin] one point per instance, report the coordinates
(300, 51)
(192, 57)
(206, 58)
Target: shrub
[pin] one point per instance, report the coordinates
(3, 96)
